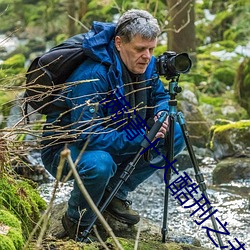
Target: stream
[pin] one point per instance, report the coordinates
(231, 200)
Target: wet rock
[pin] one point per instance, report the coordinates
(231, 169)
(197, 125)
(232, 139)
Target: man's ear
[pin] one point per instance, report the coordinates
(118, 42)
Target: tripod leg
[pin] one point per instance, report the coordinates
(129, 169)
(198, 175)
(164, 229)
(170, 157)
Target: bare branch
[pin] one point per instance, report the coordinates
(66, 154)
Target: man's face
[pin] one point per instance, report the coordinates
(137, 53)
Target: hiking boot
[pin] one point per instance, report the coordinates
(75, 231)
(121, 211)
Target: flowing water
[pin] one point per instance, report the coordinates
(231, 201)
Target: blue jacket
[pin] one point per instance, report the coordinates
(87, 118)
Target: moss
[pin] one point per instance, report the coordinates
(13, 239)
(229, 45)
(225, 75)
(221, 132)
(10, 220)
(128, 244)
(214, 101)
(16, 237)
(6, 243)
(242, 84)
(219, 102)
(21, 199)
(13, 71)
(234, 125)
(16, 61)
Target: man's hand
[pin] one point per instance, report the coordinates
(164, 128)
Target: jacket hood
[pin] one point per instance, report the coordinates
(98, 43)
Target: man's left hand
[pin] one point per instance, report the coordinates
(163, 129)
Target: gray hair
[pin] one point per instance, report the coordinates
(137, 22)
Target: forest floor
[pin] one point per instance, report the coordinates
(149, 238)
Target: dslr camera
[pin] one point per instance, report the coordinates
(171, 65)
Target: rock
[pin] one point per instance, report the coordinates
(188, 95)
(231, 169)
(149, 238)
(232, 139)
(197, 125)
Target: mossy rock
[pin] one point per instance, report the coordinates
(150, 235)
(22, 200)
(231, 169)
(128, 244)
(11, 237)
(219, 107)
(232, 139)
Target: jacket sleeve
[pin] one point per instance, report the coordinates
(88, 119)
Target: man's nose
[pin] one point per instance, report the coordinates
(146, 54)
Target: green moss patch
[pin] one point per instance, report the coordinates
(22, 200)
(231, 134)
(10, 231)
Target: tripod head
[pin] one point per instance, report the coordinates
(174, 89)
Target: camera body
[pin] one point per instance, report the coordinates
(171, 65)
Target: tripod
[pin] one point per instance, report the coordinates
(173, 90)
(129, 169)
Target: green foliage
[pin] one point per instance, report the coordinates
(13, 238)
(12, 67)
(216, 67)
(6, 243)
(221, 23)
(229, 23)
(214, 101)
(242, 84)
(22, 200)
(224, 75)
(17, 61)
(219, 102)
(240, 129)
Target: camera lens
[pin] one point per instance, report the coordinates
(182, 63)
(171, 64)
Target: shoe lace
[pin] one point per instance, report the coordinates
(127, 203)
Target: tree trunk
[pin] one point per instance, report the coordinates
(181, 27)
(71, 6)
(83, 7)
